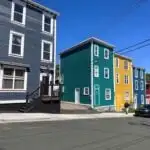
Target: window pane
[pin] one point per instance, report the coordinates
(16, 40)
(7, 84)
(18, 8)
(46, 56)
(47, 20)
(16, 49)
(8, 71)
(19, 84)
(46, 47)
(47, 28)
(18, 17)
(19, 73)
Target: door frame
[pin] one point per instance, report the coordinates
(50, 78)
(97, 86)
(75, 91)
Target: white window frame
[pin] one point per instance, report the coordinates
(43, 24)
(96, 50)
(109, 94)
(117, 62)
(126, 79)
(125, 97)
(86, 88)
(136, 85)
(127, 65)
(105, 70)
(136, 73)
(142, 99)
(23, 15)
(117, 78)
(142, 85)
(42, 51)
(141, 74)
(22, 44)
(13, 89)
(105, 49)
(96, 71)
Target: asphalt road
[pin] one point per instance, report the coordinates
(102, 134)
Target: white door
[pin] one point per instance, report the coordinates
(77, 95)
(135, 101)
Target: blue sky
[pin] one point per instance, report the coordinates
(119, 22)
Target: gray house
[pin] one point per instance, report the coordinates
(27, 48)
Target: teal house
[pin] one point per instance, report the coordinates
(87, 73)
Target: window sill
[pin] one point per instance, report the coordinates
(10, 90)
(46, 61)
(47, 33)
(14, 55)
(18, 23)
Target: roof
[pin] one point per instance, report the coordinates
(139, 68)
(122, 56)
(89, 40)
(41, 7)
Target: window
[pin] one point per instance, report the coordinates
(142, 85)
(136, 85)
(107, 94)
(126, 79)
(96, 71)
(117, 78)
(18, 13)
(142, 99)
(106, 73)
(96, 50)
(14, 79)
(86, 91)
(141, 74)
(46, 51)
(106, 53)
(117, 62)
(126, 64)
(47, 24)
(127, 96)
(136, 73)
(16, 44)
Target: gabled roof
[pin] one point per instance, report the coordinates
(89, 40)
(37, 5)
(122, 56)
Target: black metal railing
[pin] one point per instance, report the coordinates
(33, 95)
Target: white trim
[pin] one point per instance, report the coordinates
(141, 74)
(142, 87)
(84, 89)
(42, 51)
(106, 49)
(96, 50)
(51, 25)
(96, 69)
(127, 65)
(109, 93)
(91, 97)
(14, 90)
(23, 15)
(12, 101)
(10, 44)
(106, 69)
(55, 30)
(126, 78)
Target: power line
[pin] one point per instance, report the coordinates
(131, 46)
(136, 48)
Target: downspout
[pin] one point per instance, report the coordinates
(114, 81)
(54, 75)
(92, 96)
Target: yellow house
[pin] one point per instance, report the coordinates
(123, 80)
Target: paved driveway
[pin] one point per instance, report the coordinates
(101, 134)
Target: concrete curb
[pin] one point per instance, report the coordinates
(22, 117)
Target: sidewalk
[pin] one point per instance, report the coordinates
(36, 117)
